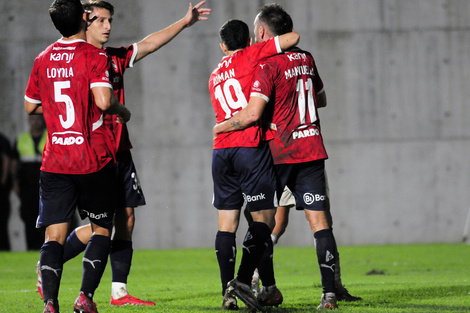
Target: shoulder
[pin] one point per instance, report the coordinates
(116, 51)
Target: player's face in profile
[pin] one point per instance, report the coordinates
(256, 28)
(99, 30)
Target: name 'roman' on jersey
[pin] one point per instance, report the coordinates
(229, 87)
(289, 82)
(61, 81)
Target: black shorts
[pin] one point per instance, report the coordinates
(93, 194)
(306, 181)
(244, 175)
(129, 191)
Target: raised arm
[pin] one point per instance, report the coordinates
(155, 41)
(248, 116)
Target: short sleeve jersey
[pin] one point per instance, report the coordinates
(289, 82)
(121, 59)
(229, 87)
(61, 81)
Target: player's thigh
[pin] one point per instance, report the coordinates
(307, 183)
(58, 198)
(227, 191)
(257, 178)
(130, 192)
(98, 196)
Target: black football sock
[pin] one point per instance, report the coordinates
(326, 255)
(226, 252)
(121, 259)
(51, 267)
(266, 267)
(94, 263)
(254, 246)
(73, 246)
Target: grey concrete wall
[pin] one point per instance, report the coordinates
(396, 74)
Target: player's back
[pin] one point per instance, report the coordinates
(63, 76)
(290, 80)
(229, 86)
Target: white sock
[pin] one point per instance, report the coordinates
(274, 238)
(118, 290)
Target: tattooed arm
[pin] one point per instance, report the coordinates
(243, 119)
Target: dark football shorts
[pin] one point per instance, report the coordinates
(129, 191)
(306, 181)
(244, 175)
(94, 194)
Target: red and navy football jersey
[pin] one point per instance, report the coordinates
(289, 82)
(229, 87)
(121, 58)
(61, 81)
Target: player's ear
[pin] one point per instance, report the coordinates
(223, 47)
(251, 41)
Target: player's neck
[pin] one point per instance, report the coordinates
(230, 52)
(80, 35)
(96, 44)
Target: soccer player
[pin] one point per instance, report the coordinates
(287, 202)
(241, 163)
(77, 167)
(289, 87)
(130, 193)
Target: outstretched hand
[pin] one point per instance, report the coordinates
(196, 13)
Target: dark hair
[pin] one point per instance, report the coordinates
(276, 19)
(234, 34)
(91, 4)
(67, 16)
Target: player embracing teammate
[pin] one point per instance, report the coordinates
(287, 91)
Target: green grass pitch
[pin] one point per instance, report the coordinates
(394, 278)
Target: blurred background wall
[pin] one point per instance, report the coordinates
(396, 75)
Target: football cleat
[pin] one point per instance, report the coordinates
(270, 296)
(84, 305)
(51, 307)
(229, 303)
(328, 301)
(244, 293)
(342, 294)
(130, 300)
(39, 283)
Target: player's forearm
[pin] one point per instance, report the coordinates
(155, 41)
(117, 108)
(241, 120)
(247, 117)
(289, 40)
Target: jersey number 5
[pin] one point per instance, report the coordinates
(59, 97)
(226, 100)
(303, 87)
